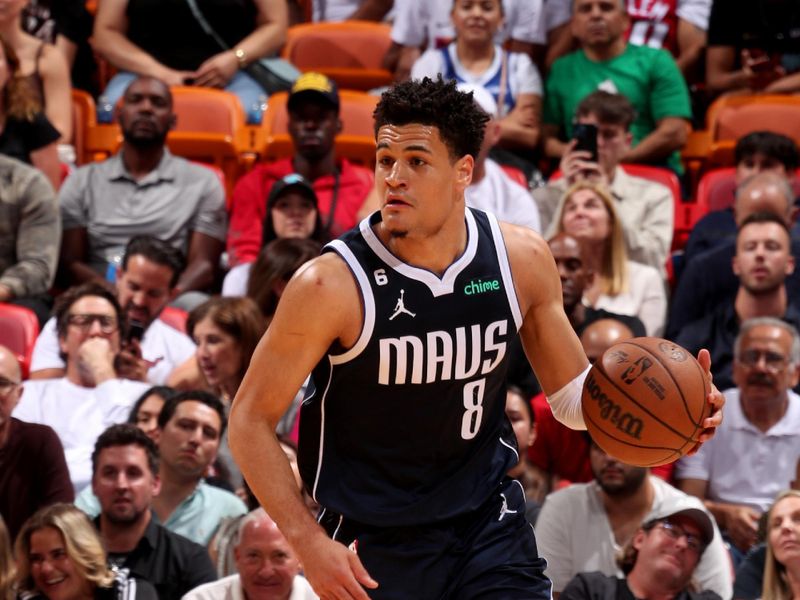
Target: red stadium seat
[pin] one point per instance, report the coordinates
(174, 317)
(19, 328)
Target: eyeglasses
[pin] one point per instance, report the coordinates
(107, 323)
(675, 532)
(773, 361)
(7, 386)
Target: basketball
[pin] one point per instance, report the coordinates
(645, 400)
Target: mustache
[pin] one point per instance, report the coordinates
(760, 379)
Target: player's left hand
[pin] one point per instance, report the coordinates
(715, 399)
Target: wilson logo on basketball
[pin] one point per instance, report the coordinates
(610, 411)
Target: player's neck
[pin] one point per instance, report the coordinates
(770, 304)
(432, 251)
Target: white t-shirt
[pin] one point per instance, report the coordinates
(496, 193)
(556, 13)
(161, 343)
(574, 535)
(418, 22)
(78, 415)
(742, 464)
(646, 298)
(230, 588)
(235, 282)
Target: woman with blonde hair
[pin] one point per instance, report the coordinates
(7, 568)
(782, 565)
(587, 212)
(60, 557)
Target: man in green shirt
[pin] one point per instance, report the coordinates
(648, 77)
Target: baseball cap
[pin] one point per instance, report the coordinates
(314, 85)
(685, 508)
(292, 181)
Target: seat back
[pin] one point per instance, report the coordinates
(717, 189)
(19, 328)
(349, 52)
(208, 110)
(174, 317)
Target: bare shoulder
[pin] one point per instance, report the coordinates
(532, 264)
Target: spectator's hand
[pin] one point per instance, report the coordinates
(741, 522)
(172, 77)
(576, 165)
(333, 570)
(218, 70)
(715, 399)
(96, 358)
(760, 71)
(131, 365)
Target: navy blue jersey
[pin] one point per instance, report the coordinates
(408, 426)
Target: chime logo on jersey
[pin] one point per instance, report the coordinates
(479, 287)
(442, 355)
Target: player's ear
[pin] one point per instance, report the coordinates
(463, 171)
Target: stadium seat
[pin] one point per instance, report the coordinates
(516, 175)
(174, 317)
(717, 189)
(92, 142)
(18, 331)
(356, 142)
(349, 52)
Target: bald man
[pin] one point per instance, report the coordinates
(601, 335)
(33, 471)
(268, 567)
(708, 280)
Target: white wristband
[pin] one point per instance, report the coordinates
(566, 402)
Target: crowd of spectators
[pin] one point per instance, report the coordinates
(123, 414)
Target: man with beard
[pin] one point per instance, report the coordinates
(341, 187)
(145, 282)
(582, 527)
(762, 262)
(124, 480)
(143, 189)
(755, 453)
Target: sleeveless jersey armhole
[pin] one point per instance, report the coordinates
(505, 270)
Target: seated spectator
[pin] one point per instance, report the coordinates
(42, 67)
(146, 281)
(90, 396)
(754, 454)
(474, 58)
(762, 263)
(757, 152)
(30, 228)
(27, 134)
(190, 427)
(587, 212)
(658, 562)
(59, 555)
(273, 269)
(145, 411)
(125, 480)
(429, 25)
(644, 207)
(33, 471)
(781, 573)
(753, 47)
(341, 187)
(7, 567)
(168, 42)
(143, 190)
(648, 77)
(708, 280)
(292, 212)
(582, 527)
(520, 413)
(267, 566)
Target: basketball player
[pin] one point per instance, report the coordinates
(406, 322)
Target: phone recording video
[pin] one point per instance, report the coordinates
(585, 135)
(135, 331)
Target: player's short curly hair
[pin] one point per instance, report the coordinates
(438, 103)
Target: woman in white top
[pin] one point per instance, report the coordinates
(475, 58)
(620, 285)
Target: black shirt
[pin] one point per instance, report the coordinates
(173, 564)
(598, 586)
(20, 137)
(750, 574)
(769, 25)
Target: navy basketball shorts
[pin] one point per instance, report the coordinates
(489, 553)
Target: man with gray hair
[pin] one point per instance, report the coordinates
(755, 452)
(268, 568)
(763, 261)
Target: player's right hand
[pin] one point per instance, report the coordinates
(334, 571)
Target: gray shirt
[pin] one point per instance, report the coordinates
(172, 201)
(30, 229)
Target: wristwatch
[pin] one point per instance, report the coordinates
(241, 56)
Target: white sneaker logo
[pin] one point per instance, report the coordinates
(401, 307)
(504, 510)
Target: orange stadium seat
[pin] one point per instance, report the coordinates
(349, 52)
(92, 141)
(356, 142)
(18, 331)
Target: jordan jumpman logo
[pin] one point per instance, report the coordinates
(401, 307)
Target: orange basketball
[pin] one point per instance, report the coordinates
(644, 401)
